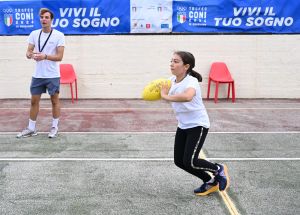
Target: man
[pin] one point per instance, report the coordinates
(46, 47)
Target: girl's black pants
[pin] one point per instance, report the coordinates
(188, 143)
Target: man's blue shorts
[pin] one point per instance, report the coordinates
(40, 85)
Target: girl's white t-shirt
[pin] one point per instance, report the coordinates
(46, 68)
(189, 114)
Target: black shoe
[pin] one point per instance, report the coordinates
(207, 188)
(222, 177)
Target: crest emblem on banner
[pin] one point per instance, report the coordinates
(8, 19)
(181, 17)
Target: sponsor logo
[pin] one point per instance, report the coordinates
(181, 17)
(148, 25)
(164, 26)
(197, 16)
(8, 19)
(193, 16)
(19, 17)
(7, 16)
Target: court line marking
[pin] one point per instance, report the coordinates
(139, 159)
(156, 108)
(227, 200)
(254, 159)
(158, 132)
(229, 203)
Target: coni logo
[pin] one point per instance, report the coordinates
(8, 16)
(181, 14)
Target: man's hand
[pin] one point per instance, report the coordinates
(29, 54)
(39, 56)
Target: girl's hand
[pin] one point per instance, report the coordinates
(164, 90)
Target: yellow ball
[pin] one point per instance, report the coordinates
(152, 90)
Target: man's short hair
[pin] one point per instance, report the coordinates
(45, 10)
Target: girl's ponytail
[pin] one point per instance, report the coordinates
(196, 75)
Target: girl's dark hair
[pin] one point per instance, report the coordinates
(188, 58)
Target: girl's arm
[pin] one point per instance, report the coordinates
(186, 96)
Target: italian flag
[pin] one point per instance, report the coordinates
(181, 18)
(8, 20)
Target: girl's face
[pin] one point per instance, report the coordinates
(177, 67)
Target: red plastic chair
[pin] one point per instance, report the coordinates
(68, 76)
(220, 74)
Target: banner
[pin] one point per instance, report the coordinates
(70, 16)
(236, 16)
(85, 17)
(151, 16)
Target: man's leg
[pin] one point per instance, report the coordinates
(56, 114)
(35, 106)
(34, 110)
(55, 106)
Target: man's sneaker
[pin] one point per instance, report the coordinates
(53, 132)
(27, 133)
(207, 188)
(222, 177)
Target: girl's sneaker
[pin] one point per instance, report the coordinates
(222, 177)
(207, 188)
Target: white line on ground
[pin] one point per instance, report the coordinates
(143, 159)
(89, 109)
(255, 159)
(157, 132)
(158, 108)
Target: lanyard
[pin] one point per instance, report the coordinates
(40, 50)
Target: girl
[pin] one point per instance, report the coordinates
(193, 125)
